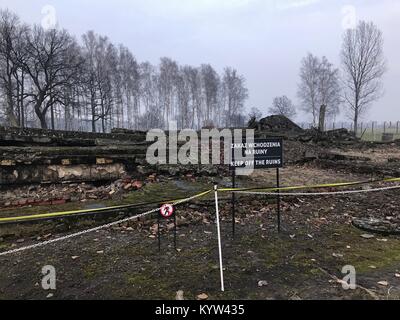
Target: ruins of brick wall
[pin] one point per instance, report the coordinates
(45, 156)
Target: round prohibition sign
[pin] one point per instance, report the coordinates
(167, 210)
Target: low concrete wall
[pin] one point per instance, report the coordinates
(26, 174)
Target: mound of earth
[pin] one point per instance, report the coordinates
(275, 123)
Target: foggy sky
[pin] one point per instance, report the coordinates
(264, 39)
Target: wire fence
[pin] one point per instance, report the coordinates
(366, 130)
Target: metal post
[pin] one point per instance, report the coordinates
(175, 230)
(233, 202)
(278, 200)
(158, 232)
(219, 238)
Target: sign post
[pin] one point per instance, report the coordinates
(166, 212)
(266, 154)
(158, 232)
(278, 200)
(175, 231)
(233, 202)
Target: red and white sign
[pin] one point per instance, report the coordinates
(167, 210)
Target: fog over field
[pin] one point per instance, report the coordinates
(265, 40)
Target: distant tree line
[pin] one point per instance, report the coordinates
(49, 78)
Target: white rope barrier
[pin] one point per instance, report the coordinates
(80, 233)
(106, 226)
(318, 193)
(77, 234)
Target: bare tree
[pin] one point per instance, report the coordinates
(89, 79)
(20, 55)
(329, 90)
(106, 61)
(194, 79)
(319, 86)
(9, 38)
(184, 97)
(283, 106)
(148, 85)
(254, 114)
(153, 115)
(308, 86)
(363, 67)
(128, 68)
(104, 82)
(167, 86)
(210, 84)
(53, 60)
(235, 94)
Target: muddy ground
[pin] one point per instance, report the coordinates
(304, 261)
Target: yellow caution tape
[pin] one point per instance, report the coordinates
(63, 213)
(318, 186)
(202, 194)
(391, 180)
(76, 212)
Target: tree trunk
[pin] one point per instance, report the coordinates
(93, 124)
(52, 117)
(93, 107)
(355, 122)
(40, 114)
(22, 118)
(42, 119)
(11, 118)
(322, 113)
(102, 121)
